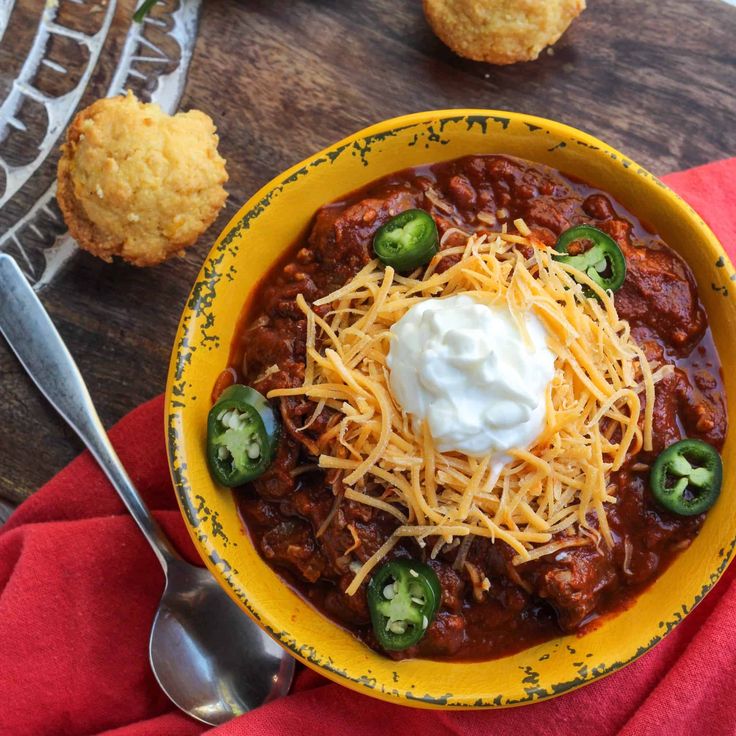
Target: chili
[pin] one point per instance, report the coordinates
(286, 510)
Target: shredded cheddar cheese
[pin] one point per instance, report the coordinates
(548, 497)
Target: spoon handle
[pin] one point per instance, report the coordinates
(40, 349)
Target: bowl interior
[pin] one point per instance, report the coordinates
(254, 240)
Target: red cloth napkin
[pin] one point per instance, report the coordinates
(79, 587)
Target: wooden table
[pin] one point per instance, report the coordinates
(283, 78)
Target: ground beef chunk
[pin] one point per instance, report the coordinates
(599, 207)
(278, 481)
(343, 237)
(660, 292)
(572, 582)
(258, 512)
(445, 636)
(690, 400)
(350, 609)
(702, 406)
(291, 544)
(452, 586)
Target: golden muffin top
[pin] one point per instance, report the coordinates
(501, 31)
(138, 183)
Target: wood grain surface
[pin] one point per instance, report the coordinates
(284, 78)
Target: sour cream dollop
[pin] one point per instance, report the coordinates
(468, 370)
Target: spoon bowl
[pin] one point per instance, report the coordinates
(245, 667)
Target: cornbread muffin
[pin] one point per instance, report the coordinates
(137, 183)
(500, 31)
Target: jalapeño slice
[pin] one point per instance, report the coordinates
(407, 241)
(686, 477)
(403, 598)
(603, 262)
(242, 435)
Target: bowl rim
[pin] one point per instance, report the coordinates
(261, 199)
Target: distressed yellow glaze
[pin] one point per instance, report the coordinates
(258, 234)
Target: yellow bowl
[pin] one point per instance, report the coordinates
(254, 240)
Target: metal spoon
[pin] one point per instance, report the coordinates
(206, 654)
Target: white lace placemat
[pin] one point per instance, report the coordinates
(53, 56)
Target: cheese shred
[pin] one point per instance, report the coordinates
(545, 498)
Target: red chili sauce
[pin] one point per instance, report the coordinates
(535, 601)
